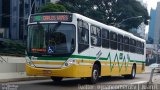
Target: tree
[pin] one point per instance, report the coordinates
(130, 8)
(50, 7)
(110, 12)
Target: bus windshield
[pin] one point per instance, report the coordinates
(51, 38)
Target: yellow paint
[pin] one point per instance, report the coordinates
(105, 71)
(139, 69)
(80, 70)
(71, 71)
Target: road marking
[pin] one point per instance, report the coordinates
(139, 82)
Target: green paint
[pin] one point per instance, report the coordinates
(87, 57)
(53, 58)
(84, 57)
(65, 58)
(38, 18)
(116, 59)
(126, 64)
(120, 55)
(109, 58)
(112, 65)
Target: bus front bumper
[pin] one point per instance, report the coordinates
(76, 71)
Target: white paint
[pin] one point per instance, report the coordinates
(139, 82)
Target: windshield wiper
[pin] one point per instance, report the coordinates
(39, 25)
(57, 26)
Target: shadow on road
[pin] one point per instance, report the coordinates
(70, 83)
(75, 82)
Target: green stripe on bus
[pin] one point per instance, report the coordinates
(53, 58)
(103, 58)
(72, 56)
(79, 56)
(87, 57)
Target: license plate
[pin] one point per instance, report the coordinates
(47, 72)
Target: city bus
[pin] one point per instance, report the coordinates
(69, 45)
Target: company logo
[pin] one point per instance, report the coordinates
(9, 87)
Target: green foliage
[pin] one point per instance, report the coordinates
(50, 7)
(12, 48)
(130, 8)
(110, 12)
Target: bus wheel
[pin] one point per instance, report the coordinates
(95, 74)
(56, 79)
(133, 73)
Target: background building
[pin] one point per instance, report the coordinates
(151, 27)
(14, 15)
(153, 42)
(157, 26)
(14, 19)
(0, 12)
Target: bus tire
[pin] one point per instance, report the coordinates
(95, 74)
(56, 79)
(133, 73)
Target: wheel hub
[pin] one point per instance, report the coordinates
(133, 73)
(95, 74)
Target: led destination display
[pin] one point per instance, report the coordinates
(51, 18)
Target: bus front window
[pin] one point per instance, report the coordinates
(51, 39)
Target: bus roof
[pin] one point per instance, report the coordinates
(94, 22)
(111, 28)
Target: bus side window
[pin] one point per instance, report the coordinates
(95, 36)
(138, 50)
(142, 48)
(132, 45)
(113, 40)
(120, 42)
(105, 38)
(126, 43)
(83, 35)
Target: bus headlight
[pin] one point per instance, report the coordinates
(28, 61)
(69, 62)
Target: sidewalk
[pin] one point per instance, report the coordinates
(13, 69)
(147, 69)
(156, 76)
(23, 79)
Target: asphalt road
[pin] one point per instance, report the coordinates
(70, 83)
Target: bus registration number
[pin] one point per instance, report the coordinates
(46, 72)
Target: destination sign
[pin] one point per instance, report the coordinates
(51, 18)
